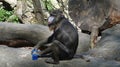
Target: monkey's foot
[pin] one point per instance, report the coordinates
(51, 61)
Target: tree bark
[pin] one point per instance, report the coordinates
(38, 11)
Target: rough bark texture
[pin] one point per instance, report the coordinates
(38, 11)
(24, 11)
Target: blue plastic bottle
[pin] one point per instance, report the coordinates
(35, 54)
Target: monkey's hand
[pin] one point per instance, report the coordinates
(35, 54)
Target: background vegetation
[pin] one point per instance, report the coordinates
(8, 16)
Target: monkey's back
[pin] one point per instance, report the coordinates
(67, 34)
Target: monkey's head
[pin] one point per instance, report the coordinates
(54, 19)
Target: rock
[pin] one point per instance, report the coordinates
(108, 46)
(84, 40)
(21, 57)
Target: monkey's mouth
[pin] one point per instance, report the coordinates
(50, 19)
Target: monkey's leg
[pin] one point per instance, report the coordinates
(55, 55)
(60, 52)
(54, 50)
(93, 37)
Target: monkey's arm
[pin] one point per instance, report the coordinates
(40, 43)
(43, 42)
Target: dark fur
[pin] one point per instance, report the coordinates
(63, 42)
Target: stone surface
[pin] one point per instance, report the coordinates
(108, 46)
(21, 57)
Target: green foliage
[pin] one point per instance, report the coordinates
(13, 18)
(7, 16)
(48, 5)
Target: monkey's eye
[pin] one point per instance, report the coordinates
(50, 19)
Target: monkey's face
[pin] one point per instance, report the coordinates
(51, 24)
(55, 17)
(50, 20)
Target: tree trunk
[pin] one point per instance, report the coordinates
(38, 11)
(32, 33)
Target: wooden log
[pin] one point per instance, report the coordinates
(16, 35)
(30, 32)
